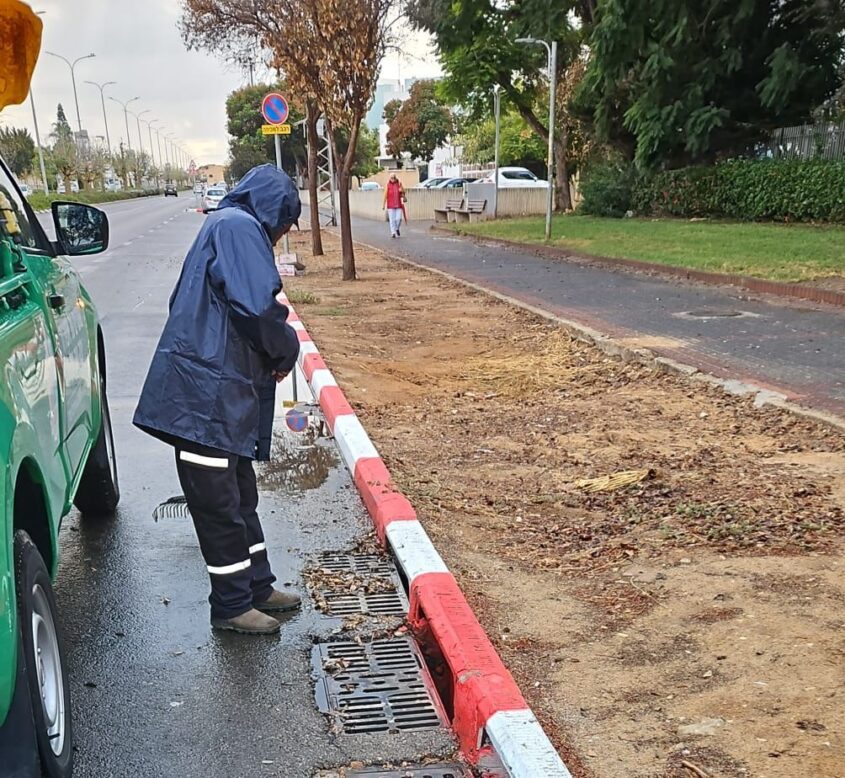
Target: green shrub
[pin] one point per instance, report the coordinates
(40, 202)
(774, 190)
(607, 188)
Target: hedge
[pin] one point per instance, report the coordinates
(743, 189)
(39, 201)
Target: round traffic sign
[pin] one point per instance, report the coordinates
(274, 108)
(296, 420)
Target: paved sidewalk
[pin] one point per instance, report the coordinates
(794, 349)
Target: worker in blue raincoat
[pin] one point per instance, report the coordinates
(211, 386)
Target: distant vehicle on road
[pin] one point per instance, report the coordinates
(212, 198)
(515, 178)
(198, 187)
(56, 451)
(170, 189)
(60, 188)
(370, 186)
(112, 185)
(74, 186)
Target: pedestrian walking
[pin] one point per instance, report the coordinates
(394, 198)
(211, 386)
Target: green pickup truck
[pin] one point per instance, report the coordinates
(57, 451)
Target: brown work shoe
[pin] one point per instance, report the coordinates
(279, 601)
(253, 622)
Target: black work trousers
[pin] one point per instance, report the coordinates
(222, 496)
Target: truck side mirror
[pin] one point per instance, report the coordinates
(80, 228)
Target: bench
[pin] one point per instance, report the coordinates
(472, 212)
(447, 214)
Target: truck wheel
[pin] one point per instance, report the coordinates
(44, 659)
(99, 491)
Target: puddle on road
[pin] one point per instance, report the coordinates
(298, 462)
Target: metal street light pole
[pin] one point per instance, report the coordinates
(497, 100)
(552, 52)
(72, 65)
(152, 148)
(38, 141)
(138, 120)
(126, 116)
(101, 87)
(158, 142)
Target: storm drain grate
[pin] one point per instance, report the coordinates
(360, 564)
(369, 604)
(381, 686)
(429, 771)
(174, 508)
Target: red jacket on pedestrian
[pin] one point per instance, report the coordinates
(394, 194)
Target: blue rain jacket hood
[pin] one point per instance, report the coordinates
(210, 380)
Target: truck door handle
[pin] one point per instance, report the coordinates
(56, 301)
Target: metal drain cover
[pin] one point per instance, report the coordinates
(360, 564)
(174, 508)
(374, 604)
(381, 686)
(429, 771)
(715, 313)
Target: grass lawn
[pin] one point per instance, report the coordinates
(781, 252)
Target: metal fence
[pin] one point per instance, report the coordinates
(808, 141)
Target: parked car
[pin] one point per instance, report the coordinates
(514, 178)
(370, 186)
(212, 197)
(60, 188)
(56, 451)
(74, 186)
(26, 191)
(112, 185)
(451, 183)
(433, 182)
(198, 187)
(170, 189)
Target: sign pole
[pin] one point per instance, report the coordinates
(278, 140)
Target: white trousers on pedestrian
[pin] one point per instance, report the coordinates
(394, 216)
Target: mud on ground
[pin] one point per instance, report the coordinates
(691, 620)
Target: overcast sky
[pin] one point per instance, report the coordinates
(137, 44)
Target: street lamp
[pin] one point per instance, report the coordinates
(552, 52)
(497, 101)
(126, 115)
(150, 124)
(101, 87)
(72, 65)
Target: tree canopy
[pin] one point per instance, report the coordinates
(421, 123)
(678, 81)
(17, 148)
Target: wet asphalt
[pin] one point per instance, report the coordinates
(155, 691)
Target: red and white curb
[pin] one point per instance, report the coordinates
(489, 711)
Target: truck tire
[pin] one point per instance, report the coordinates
(99, 491)
(44, 660)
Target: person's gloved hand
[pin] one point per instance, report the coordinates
(280, 375)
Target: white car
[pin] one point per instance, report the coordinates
(370, 186)
(515, 178)
(198, 188)
(25, 190)
(60, 189)
(211, 199)
(74, 186)
(113, 185)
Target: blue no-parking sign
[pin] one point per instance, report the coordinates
(274, 108)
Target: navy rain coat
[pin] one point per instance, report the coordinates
(210, 380)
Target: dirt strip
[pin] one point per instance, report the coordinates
(658, 563)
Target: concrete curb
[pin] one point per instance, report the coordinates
(762, 395)
(489, 711)
(758, 285)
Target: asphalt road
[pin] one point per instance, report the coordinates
(155, 692)
(788, 347)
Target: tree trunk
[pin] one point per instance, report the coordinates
(347, 247)
(312, 114)
(563, 194)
